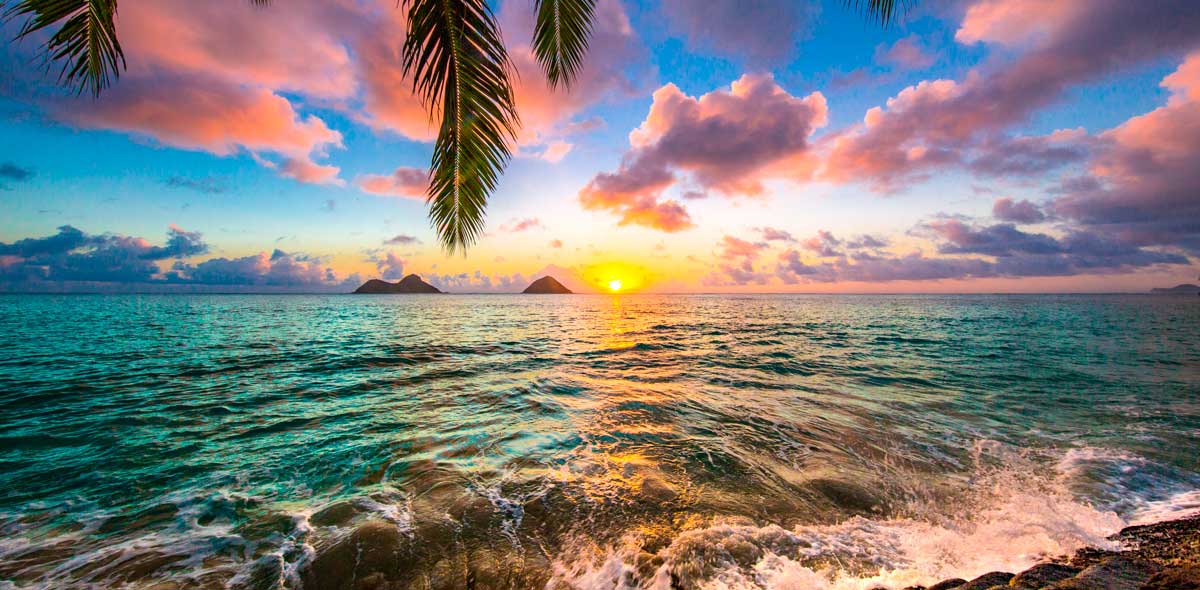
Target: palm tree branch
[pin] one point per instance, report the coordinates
(560, 37)
(460, 71)
(85, 41)
(885, 11)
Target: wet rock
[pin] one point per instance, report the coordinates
(986, 581)
(1174, 542)
(950, 584)
(1116, 573)
(364, 560)
(336, 514)
(1175, 578)
(265, 573)
(656, 490)
(1042, 575)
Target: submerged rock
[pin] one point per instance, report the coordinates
(547, 285)
(409, 284)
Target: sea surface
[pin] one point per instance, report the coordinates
(640, 441)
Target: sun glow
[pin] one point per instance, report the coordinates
(614, 285)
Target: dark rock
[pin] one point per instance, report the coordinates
(547, 285)
(1116, 573)
(336, 514)
(366, 558)
(409, 284)
(950, 584)
(1174, 542)
(1177, 578)
(987, 580)
(1043, 574)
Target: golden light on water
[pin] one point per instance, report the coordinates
(614, 285)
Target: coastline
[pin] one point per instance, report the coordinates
(1159, 556)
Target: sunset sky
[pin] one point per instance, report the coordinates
(993, 145)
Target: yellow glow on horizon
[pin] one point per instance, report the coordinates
(616, 277)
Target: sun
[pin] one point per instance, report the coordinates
(614, 285)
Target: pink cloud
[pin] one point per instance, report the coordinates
(726, 140)
(404, 182)
(520, 225)
(556, 151)
(197, 114)
(306, 170)
(547, 114)
(1146, 176)
(948, 123)
(906, 53)
(1023, 211)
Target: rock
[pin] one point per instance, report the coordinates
(409, 284)
(1174, 542)
(1042, 575)
(986, 581)
(1116, 573)
(363, 560)
(1176, 578)
(547, 285)
(951, 584)
(335, 514)
(656, 491)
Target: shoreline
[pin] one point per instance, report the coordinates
(1159, 556)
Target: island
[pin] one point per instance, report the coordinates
(1184, 289)
(547, 285)
(408, 285)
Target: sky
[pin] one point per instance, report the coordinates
(765, 146)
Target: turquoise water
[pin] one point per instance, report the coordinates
(583, 441)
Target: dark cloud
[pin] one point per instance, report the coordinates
(402, 239)
(771, 234)
(1145, 181)
(1023, 211)
(209, 185)
(756, 32)
(75, 260)
(823, 244)
(12, 172)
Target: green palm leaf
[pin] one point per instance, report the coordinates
(560, 37)
(460, 70)
(85, 42)
(885, 11)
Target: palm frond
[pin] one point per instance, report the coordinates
(885, 11)
(85, 43)
(560, 37)
(460, 70)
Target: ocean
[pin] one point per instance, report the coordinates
(637, 441)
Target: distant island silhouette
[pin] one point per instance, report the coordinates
(407, 285)
(547, 285)
(1184, 289)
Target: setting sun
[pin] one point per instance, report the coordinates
(614, 285)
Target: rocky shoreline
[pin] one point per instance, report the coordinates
(1160, 556)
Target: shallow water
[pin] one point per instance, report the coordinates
(583, 441)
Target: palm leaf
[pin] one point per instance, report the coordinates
(460, 70)
(885, 11)
(85, 43)
(560, 37)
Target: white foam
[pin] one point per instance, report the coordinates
(1180, 505)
